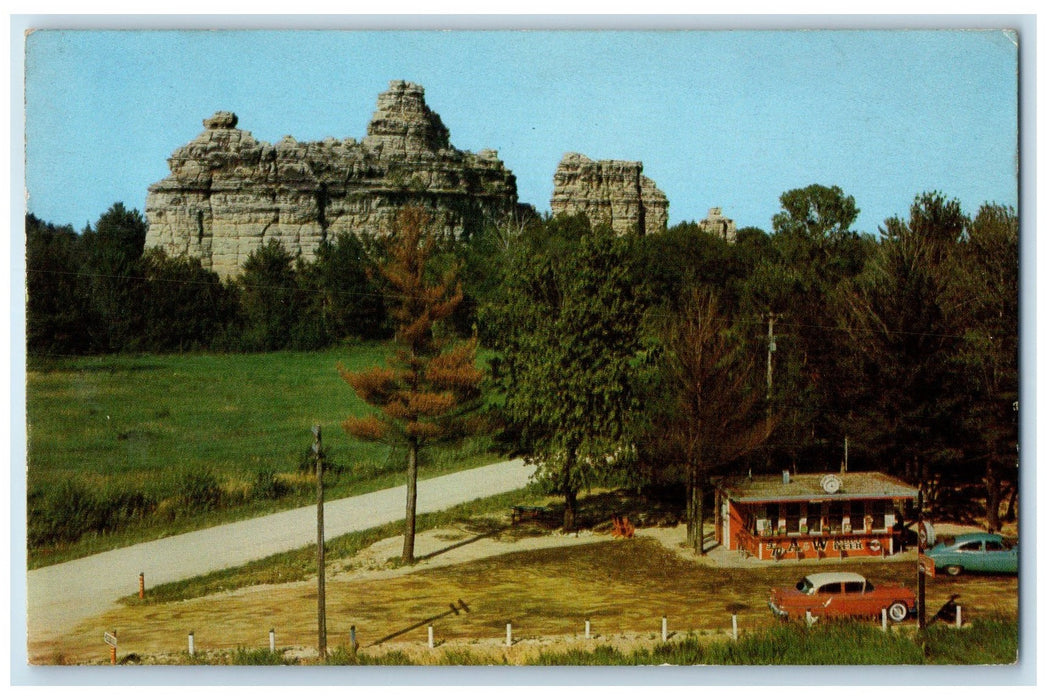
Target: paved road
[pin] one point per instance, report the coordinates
(61, 596)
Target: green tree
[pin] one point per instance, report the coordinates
(813, 251)
(270, 298)
(185, 306)
(985, 289)
(351, 303)
(56, 315)
(706, 401)
(570, 346)
(904, 329)
(425, 392)
(111, 250)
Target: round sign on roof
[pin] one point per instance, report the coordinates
(831, 483)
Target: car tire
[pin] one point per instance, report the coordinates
(898, 611)
(954, 569)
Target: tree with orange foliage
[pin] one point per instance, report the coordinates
(427, 389)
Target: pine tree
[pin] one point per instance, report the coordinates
(426, 390)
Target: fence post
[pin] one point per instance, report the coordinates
(430, 636)
(734, 627)
(883, 619)
(272, 640)
(665, 628)
(192, 644)
(588, 629)
(141, 585)
(353, 646)
(959, 617)
(508, 634)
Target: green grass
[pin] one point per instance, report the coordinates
(121, 433)
(990, 641)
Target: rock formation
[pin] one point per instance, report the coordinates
(716, 224)
(615, 192)
(228, 193)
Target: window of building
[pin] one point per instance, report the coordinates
(833, 519)
(814, 517)
(878, 511)
(858, 516)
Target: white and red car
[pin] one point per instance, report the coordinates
(841, 594)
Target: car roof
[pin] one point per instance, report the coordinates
(822, 578)
(976, 537)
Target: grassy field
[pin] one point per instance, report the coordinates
(137, 432)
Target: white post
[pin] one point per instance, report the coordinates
(734, 627)
(272, 641)
(665, 628)
(959, 617)
(430, 636)
(508, 634)
(587, 630)
(883, 619)
(192, 646)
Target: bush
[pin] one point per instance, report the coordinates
(71, 510)
(198, 490)
(266, 486)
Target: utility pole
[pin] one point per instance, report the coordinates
(321, 595)
(771, 347)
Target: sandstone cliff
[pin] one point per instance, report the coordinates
(229, 193)
(615, 192)
(718, 225)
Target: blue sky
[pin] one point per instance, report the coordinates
(720, 118)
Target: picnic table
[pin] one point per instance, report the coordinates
(521, 513)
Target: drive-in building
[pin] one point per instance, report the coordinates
(812, 516)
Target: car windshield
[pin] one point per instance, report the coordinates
(805, 585)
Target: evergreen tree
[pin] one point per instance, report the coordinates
(426, 391)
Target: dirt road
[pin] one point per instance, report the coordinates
(61, 596)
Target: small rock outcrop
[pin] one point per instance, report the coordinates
(615, 192)
(228, 193)
(717, 225)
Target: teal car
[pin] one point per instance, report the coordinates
(977, 552)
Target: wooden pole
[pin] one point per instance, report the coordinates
(665, 628)
(321, 595)
(734, 627)
(508, 634)
(141, 585)
(272, 640)
(192, 644)
(921, 577)
(430, 636)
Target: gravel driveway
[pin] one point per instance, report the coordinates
(61, 596)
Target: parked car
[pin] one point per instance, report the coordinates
(841, 594)
(976, 551)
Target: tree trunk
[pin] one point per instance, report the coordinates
(689, 509)
(1011, 503)
(699, 497)
(992, 497)
(570, 495)
(570, 509)
(412, 501)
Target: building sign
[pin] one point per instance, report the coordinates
(824, 546)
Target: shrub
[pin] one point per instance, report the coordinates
(198, 490)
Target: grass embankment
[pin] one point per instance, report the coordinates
(987, 641)
(300, 564)
(123, 449)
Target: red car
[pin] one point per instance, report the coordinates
(841, 594)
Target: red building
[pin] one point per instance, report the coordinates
(812, 516)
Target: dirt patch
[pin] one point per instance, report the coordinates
(545, 585)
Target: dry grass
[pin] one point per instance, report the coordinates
(623, 587)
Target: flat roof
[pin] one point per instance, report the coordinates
(765, 488)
